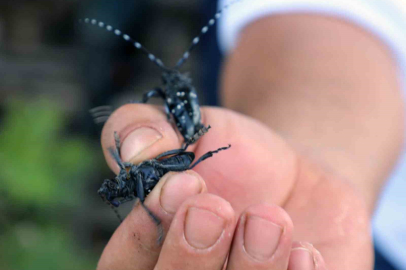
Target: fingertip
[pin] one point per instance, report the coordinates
(304, 256)
(202, 218)
(267, 231)
(200, 234)
(174, 188)
(165, 199)
(263, 238)
(271, 212)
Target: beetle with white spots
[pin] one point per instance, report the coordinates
(179, 95)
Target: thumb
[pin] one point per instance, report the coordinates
(144, 133)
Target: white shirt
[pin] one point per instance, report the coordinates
(387, 20)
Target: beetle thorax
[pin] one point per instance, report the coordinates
(174, 80)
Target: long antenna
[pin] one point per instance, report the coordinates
(127, 38)
(204, 30)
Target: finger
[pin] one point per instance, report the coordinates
(257, 153)
(200, 235)
(134, 244)
(304, 256)
(262, 240)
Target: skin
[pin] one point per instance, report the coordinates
(313, 140)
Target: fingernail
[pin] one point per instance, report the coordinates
(301, 259)
(177, 189)
(138, 141)
(203, 228)
(261, 237)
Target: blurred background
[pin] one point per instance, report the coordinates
(53, 70)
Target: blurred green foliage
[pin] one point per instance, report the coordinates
(31, 247)
(37, 159)
(43, 168)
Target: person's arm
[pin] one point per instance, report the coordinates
(328, 87)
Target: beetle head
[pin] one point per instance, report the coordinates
(123, 176)
(109, 190)
(174, 77)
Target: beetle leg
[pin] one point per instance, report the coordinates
(197, 136)
(156, 92)
(157, 221)
(112, 208)
(116, 156)
(167, 112)
(192, 140)
(141, 195)
(171, 152)
(117, 142)
(207, 155)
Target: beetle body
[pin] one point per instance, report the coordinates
(145, 175)
(180, 102)
(178, 93)
(137, 181)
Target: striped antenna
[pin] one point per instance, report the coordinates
(204, 30)
(127, 38)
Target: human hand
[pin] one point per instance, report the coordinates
(258, 173)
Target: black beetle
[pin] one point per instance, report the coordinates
(137, 181)
(178, 93)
